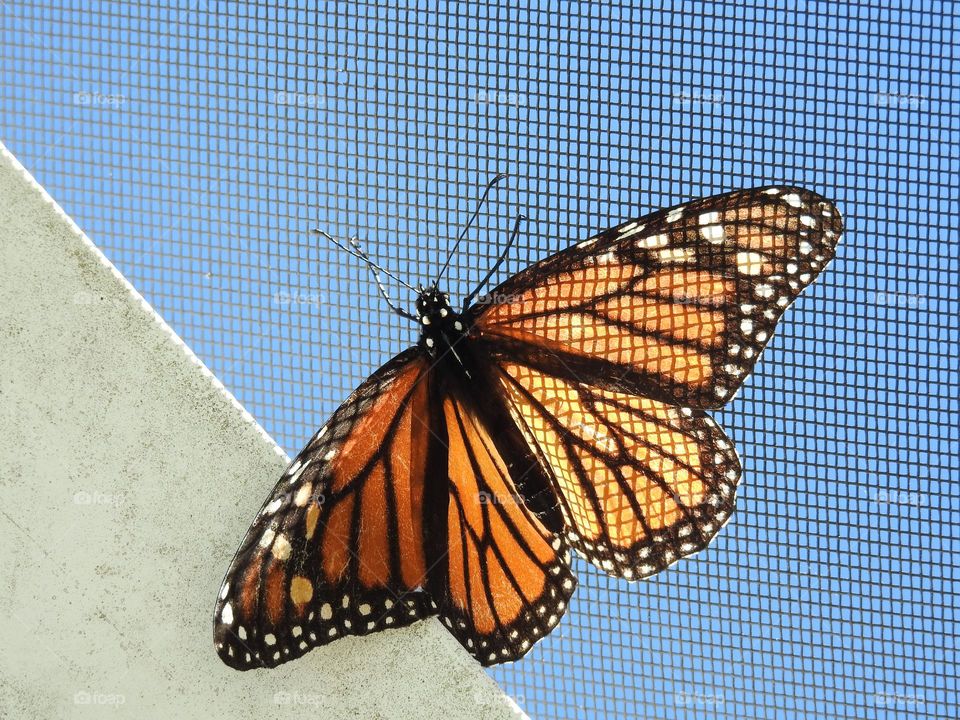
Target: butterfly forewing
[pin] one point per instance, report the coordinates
(675, 306)
(608, 351)
(338, 548)
(342, 546)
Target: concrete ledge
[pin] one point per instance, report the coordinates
(128, 475)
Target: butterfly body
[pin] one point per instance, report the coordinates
(569, 414)
(442, 331)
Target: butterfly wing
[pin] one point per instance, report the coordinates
(641, 483)
(505, 581)
(338, 548)
(607, 353)
(401, 507)
(675, 306)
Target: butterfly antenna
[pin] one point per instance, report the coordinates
(483, 199)
(363, 256)
(503, 256)
(358, 252)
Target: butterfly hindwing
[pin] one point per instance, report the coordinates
(677, 305)
(338, 547)
(506, 581)
(641, 483)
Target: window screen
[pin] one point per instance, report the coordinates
(198, 144)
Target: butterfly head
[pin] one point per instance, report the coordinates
(433, 305)
(440, 325)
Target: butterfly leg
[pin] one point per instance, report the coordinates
(355, 244)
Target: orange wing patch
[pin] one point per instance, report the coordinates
(665, 323)
(641, 483)
(508, 582)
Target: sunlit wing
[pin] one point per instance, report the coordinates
(338, 547)
(506, 579)
(675, 306)
(640, 483)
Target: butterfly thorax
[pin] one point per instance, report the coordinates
(442, 329)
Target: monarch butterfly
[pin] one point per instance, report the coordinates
(567, 413)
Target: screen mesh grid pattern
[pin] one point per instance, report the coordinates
(198, 143)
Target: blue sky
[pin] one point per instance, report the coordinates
(198, 145)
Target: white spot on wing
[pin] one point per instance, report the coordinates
(631, 229)
(750, 263)
(273, 506)
(303, 495)
(713, 233)
(680, 254)
(281, 547)
(653, 241)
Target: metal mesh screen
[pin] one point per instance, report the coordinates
(198, 143)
